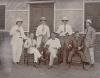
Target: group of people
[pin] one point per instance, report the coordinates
(64, 41)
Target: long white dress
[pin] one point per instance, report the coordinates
(17, 42)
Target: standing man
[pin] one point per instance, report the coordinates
(53, 44)
(90, 40)
(18, 35)
(42, 32)
(64, 30)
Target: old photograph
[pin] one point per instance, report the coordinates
(49, 38)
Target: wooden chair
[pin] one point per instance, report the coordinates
(77, 53)
(28, 58)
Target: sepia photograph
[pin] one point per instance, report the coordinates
(49, 38)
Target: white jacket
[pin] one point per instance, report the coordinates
(67, 29)
(43, 30)
(53, 44)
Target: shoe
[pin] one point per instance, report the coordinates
(43, 60)
(35, 65)
(86, 63)
(17, 62)
(50, 67)
(92, 65)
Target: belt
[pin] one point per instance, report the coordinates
(20, 37)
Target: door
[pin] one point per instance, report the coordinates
(41, 10)
(92, 11)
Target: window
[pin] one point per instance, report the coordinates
(2, 16)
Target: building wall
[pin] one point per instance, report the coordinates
(17, 9)
(73, 9)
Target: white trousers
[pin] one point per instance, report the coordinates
(91, 53)
(37, 55)
(39, 41)
(17, 50)
(53, 55)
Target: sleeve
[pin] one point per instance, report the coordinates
(38, 31)
(70, 31)
(26, 44)
(22, 33)
(12, 32)
(59, 30)
(48, 32)
(58, 43)
(93, 35)
(47, 43)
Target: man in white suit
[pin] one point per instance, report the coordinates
(53, 44)
(42, 32)
(18, 35)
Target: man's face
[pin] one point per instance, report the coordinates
(87, 24)
(19, 23)
(65, 21)
(31, 35)
(43, 22)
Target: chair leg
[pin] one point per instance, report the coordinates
(28, 59)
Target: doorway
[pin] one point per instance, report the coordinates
(39, 10)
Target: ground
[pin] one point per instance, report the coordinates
(24, 71)
(9, 70)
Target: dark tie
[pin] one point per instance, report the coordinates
(32, 42)
(64, 28)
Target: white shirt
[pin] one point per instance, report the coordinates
(53, 43)
(43, 29)
(17, 34)
(30, 43)
(63, 30)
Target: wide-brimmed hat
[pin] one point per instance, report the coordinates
(43, 19)
(89, 20)
(65, 19)
(19, 20)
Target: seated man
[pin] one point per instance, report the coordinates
(53, 44)
(78, 46)
(30, 43)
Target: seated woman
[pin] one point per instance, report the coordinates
(30, 44)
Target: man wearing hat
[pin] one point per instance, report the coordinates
(18, 35)
(42, 32)
(90, 40)
(64, 30)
